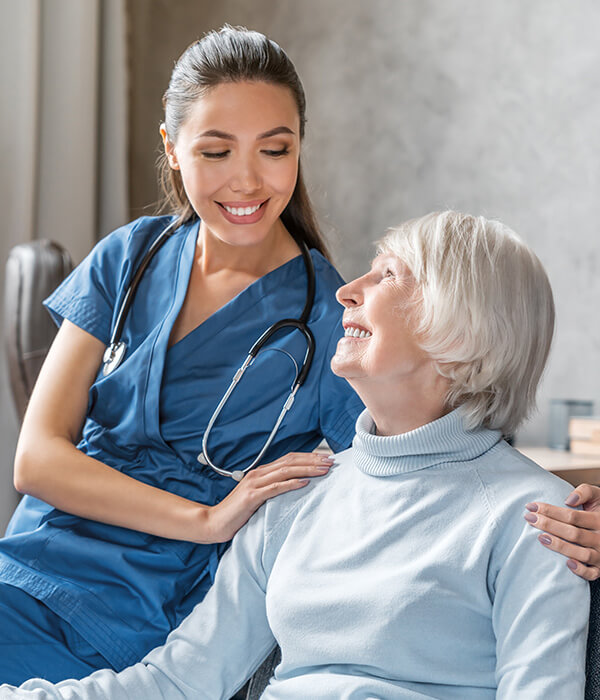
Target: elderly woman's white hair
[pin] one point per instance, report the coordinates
(483, 310)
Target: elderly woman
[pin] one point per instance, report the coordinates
(407, 571)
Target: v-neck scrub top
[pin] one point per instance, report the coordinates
(124, 590)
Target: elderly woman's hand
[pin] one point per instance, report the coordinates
(573, 533)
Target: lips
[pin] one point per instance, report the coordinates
(243, 212)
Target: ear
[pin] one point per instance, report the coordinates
(169, 148)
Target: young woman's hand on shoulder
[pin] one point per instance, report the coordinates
(573, 533)
(293, 471)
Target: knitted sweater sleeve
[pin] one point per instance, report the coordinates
(210, 655)
(540, 609)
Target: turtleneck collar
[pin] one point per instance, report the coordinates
(443, 440)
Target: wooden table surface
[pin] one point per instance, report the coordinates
(576, 469)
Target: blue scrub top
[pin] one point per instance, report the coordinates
(121, 589)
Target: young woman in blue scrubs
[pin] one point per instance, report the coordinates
(121, 530)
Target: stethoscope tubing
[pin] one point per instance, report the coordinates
(116, 350)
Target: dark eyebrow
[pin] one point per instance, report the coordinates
(215, 133)
(274, 132)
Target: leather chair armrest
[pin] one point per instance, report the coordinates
(33, 271)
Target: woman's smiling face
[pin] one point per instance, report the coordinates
(238, 152)
(379, 344)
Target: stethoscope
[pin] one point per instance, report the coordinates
(115, 352)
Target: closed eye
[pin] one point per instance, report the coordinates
(276, 154)
(214, 155)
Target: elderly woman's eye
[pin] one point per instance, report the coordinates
(389, 273)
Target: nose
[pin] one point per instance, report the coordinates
(350, 294)
(247, 179)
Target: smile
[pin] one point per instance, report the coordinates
(242, 211)
(355, 332)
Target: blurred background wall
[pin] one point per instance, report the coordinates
(413, 105)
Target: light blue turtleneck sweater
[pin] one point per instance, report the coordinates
(406, 573)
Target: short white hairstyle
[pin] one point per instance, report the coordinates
(483, 311)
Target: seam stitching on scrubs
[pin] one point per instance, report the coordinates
(58, 305)
(182, 244)
(343, 429)
(12, 573)
(82, 313)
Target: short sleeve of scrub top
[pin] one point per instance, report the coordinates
(87, 297)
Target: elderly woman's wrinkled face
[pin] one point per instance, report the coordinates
(379, 342)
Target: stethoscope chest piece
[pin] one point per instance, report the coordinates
(113, 356)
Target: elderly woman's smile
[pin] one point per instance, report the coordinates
(353, 331)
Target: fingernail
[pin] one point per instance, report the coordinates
(531, 518)
(328, 460)
(544, 539)
(532, 507)
(323, 468)
(572, 564)
(304, 481)
(572, 500)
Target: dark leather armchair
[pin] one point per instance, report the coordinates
(592, 670)
(33, 270)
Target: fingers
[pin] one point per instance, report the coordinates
(293, 471)
(542, 515)
(278, 487)
(566, 531)
(295, 465)
(297, 459)
(589, 573)
(584, 493)
(582, 561)
(572, 533)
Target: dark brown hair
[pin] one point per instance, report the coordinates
(234, 54)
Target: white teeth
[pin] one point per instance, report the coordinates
(242, 211)
(352, 332)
